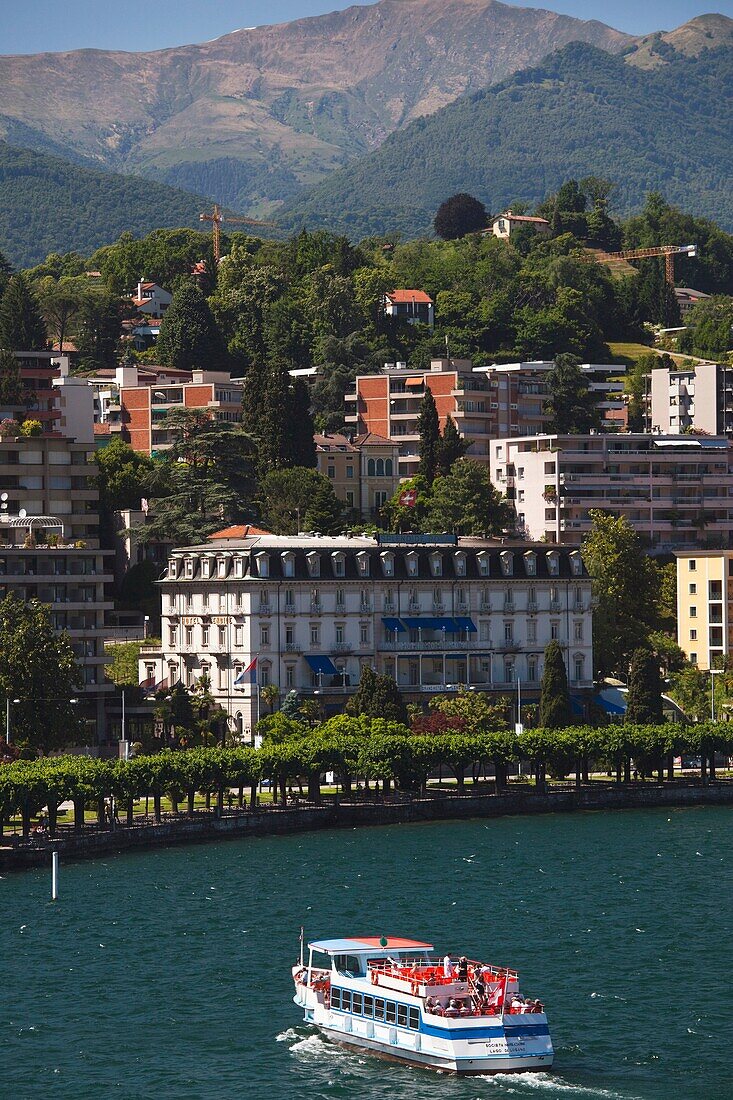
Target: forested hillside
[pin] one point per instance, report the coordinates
(581, 112)
(50, 205)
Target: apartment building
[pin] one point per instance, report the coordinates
(144, 403)
(363, 471)
(486, 403)
(675, 491)
(49, 550)
(433, 611)
(388, 404)
(705, 606)
(695, 399)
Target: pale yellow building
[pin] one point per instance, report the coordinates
(704, 605)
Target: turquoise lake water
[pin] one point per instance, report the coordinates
(167, 974)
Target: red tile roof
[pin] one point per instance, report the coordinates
(371, 439)
(408, 296)
(239, 531)
(521, 218)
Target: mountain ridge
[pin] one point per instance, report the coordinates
(580, 112)
(290, 102)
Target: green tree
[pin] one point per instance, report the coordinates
(571, 404)
(406, 510)
(273, 431)
(60, 302)
(452, 447)
(377, 697)
(38, 666)
(465, 502)
(189, 336)
(624, 590)
(690, 689)
(284, 497)
(124, 475)
(97, 329)
(22, 327)
(12, 391)
(555, 709)
(325, 512)
(302, 446)
(123, 668)
(710, 327)
(428, 426)
(459, 215)
(644, 702)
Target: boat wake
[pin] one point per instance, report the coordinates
(516, 1083)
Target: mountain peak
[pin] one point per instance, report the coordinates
(704, 32)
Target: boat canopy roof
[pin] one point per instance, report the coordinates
(368, 943)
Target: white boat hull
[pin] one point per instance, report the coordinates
(519, 1047)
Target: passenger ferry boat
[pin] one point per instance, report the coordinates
(392, 997)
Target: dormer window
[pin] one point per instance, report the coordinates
(387, 563)
(553, 563)
(530, 563)
(576, 563)
(314, 563)
(507, 563)
(206, 568)
(339, 564)
(189, 567)
(412, 563)
(173, 568)
(362, 563)
(288, 563)
(459, 563)
(436, 564)
(483, 563)
(239, 567)
(263, 564)
(221, 567)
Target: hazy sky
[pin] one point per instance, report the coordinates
(36, 25)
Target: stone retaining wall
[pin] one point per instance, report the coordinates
(90, 844)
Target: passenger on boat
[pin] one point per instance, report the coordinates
(462, 969)
(447, 967)
(465, 1009)
(452, 1010)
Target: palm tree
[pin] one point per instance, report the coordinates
(270, 693)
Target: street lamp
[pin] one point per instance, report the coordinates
(713, 673)
(8, 701)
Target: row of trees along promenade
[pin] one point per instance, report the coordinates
(372, 759)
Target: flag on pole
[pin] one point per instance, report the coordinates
(251, 671)
(496, 997)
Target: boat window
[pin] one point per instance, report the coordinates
(348, 965)
(336, 998)
(356, 1003)
(391, 1014)
(402, 1015)
(346, 1000)
(414, 1014)
(368, 1006)
(378, 1008)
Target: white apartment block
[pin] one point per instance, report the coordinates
(696, 399)
(434, 612)
(675, 490)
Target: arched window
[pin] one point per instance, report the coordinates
(238, 723)
(380, 467)
(370, 468)
(388, 467)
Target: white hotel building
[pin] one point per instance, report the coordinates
(434, 612)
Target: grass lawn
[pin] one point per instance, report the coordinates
(628, 352)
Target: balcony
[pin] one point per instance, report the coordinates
(554, 606)
(532, 607)
(390, 607)
(293, 647)
(446, 645)
(343, 647)
(289, 609)
(365, 607)
(315, 607)
(264, 608)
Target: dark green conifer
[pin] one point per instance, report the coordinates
(555, 711)
(189, 337)
(22, 327)
(428, 426)
(451, 448)
(325, 512)
(644, 702)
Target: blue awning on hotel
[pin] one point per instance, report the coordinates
(465, 623)
(450, 626)
(323, 664)
(394, 624)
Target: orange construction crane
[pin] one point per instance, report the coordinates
(216, 218)
(669, 251)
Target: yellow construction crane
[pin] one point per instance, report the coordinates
(669, 251)
(216, 218)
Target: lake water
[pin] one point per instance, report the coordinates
(167, 974)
